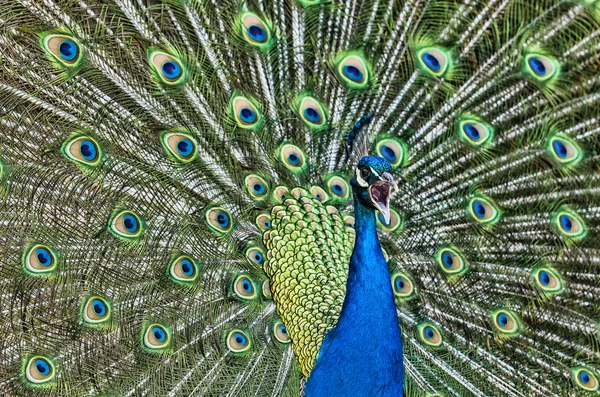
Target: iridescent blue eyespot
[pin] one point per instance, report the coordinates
(471, 131)
(447, 259)
(584, 377)
(388, 153)
(219, 219)
(171, 70)
(566, 223)
(257, 33)
(431, 61)
(187, 267)
(247, 286)
(353, 73)
(159, 334)
(157, 338)
(130, 223)
(43, 256)
(502, 320)
(479, 209)
(399, 283)
(258, 257)
(429, 332)
(99, 307)
(559, 148)
(294, 159)
(88, 150)
(248, 115)
(42, 367)
(337, 188)
(312, 115)
(243, 288)
(240, 339)
(544, 277)
(68, 50)
(238, 342)
(537, 66)
(223, 219)
(258, 188)
(185, 147)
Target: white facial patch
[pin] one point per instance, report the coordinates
(359, 179)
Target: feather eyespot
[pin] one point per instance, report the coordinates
(65, 49)
(349, 221)
(219, 219)
(157, 337)
(584, 378)
(238, 341)
(564, 151)
(180, 146)
(451, 261)
(266, 290)
(483, 210)
(338, 188)
(395, 221)
(570, 224)
(318, 193)
(39, 260)
(393, 150)
(353, 71)
(96, 311)
(281, 193)
(39, 370)
(312, 113)
(168, 68)
(474, 132)
(430, 334)
(245, 113)
(244, 288)
(82, 150)
(505, 322)
(256, 31)
(547, 280)
(255, 255)
(540, 67)
(280, 332)
(183, 269)
(292, 158)
(434, 60)
(126, 225)
(256, 186)
(263, 221)
(403, 286)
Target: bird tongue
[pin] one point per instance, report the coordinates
(380, 193)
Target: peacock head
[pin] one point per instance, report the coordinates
(373, 183)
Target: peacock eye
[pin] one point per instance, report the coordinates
(483, 210)
(338, 188)
(263, 221)
(280, 332)
(393, 150)
(169, 69)
(293, 158)
(433, 60)
(564, 151)
(39, 370)
(353, 71)
(183, 269)
(394, 223)
(451, 261)
(82, 150)
(318, 193)
(430, 334)
(281, 193)
(255, 30)
(180, 146)
(126, 225)
(238, 341)
(256, 186)
(547, 280)
(219, 219)
(246, 113)
(569, 224)
(540, 67)
(403, 286)
(40, 260)
(505, 322)
(312, 113)
(64, 49)
(475, 132)
(584, 378)
(243, 288)
(255, 255)
(96, 311)
(157, 338)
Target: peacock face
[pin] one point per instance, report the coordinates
(373, 183)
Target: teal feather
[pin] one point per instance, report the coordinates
(219, 128)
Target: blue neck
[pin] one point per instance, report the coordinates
(362, 355)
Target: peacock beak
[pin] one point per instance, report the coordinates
(381, 192)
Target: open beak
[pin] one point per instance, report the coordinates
(381, 192)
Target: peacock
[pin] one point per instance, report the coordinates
(300, 198)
